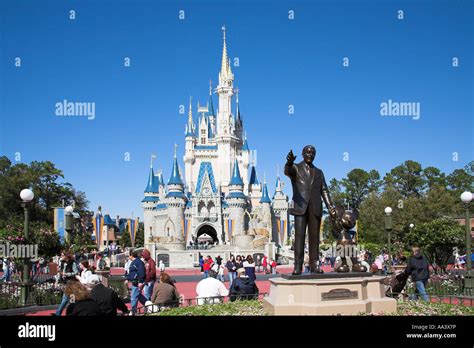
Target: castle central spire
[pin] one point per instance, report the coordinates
(226, 72)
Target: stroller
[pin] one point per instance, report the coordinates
(396, 285)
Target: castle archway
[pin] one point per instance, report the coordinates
(207, 232)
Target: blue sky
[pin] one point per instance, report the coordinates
(282, 62)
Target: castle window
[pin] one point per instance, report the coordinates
(203, 140)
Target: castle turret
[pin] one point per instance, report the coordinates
(151, 199)
(280, 214)
(176, 203)
(255, 188)
(265, 210)
(236, 201)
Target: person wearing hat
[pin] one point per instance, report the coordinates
(210, 290)
(243, 288)
(106, 298)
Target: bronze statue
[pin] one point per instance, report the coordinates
(309, 190)
(344, 221)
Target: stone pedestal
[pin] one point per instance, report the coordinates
(330, 294)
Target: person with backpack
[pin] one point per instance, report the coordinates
(136, 276)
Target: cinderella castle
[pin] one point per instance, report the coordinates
(219, 195)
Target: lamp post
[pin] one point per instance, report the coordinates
(26, 196)
(69, 223)
(388, 228)
(466, 198)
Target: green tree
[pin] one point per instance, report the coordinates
(407, 179)
(359, 184)
(437, 239)
(125, 240)
(140, 238)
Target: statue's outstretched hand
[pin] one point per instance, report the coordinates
(290, 159)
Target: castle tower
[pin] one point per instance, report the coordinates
(255, 188)
(280, 214)
(176, 203)
(189, 147)
(245, 163)
(226, 139)
(266, 211)
(150, 201)
(236, 201)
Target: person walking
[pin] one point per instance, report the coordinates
(206, 266)
(258, 264)
(150, 274)
(273, 265)
(418, 268)
(136, 276)
(162, 266)
(265, 264)
(231, 269)
(67, 274)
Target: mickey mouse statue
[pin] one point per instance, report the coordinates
(344, 221)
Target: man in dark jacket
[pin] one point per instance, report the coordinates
(136, 276)
(150, 274)
(418, 268)
(309, 191)
(243, 288)
(106, 298)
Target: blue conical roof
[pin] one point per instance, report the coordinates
(253, 177)
(175, 178)
(160, 179)
(236, 178)
(152, 185)
(211, 106)
(246, 145)
(265, 198)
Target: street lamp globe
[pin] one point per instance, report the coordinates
(69, 209)
(388, 210)
(27, 195)
(466, 197)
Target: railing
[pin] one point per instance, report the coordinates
(445, 288)
(197, 301)
(38, 294)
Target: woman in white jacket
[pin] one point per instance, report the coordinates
(85, 273)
